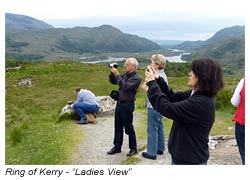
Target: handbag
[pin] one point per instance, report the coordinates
(114, 95)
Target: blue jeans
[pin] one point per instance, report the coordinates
(124, 119)
(81, 108)
(156, 136)
(240, 139)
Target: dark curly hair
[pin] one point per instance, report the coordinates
(210, 75)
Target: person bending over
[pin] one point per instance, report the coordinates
(86, 102)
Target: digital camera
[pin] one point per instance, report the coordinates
(70, 102)
(114, 65)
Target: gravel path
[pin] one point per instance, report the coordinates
(98, 140)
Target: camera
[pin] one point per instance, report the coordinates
(114, 65)
(148, 69)
(70, 102)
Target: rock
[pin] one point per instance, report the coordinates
(220, 140)
(24, 82)
(67, 113)
(212, 144)
(107, 104)
(10, 69)
(223, 150)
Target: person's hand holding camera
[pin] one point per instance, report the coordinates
(115, 71)
(70, 104)
(150, 74)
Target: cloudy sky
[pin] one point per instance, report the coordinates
(153, 19)
(157, 19)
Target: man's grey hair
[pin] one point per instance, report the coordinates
(133, 61)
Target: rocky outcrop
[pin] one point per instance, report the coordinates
(11, 69)
(215, 141)
(223, 150)
(107, 104)
(26, 81)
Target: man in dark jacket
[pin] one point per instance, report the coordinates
(128, 85)
(192, 111)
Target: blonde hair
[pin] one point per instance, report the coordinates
(159, 60)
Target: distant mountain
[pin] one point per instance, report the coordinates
(226, 46)
(227, 33)
(46, 42)
(227, 51)
(105, 38)
(17, 23)
(223, 34)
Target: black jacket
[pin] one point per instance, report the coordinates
(193, 118)
(128, 85)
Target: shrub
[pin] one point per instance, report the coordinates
(223, 100)
(16, 135)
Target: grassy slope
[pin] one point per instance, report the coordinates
(32, 134)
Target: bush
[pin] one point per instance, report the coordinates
(177, 69)
(223, 100)
(16, 135)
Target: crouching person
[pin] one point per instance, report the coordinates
(86, 102)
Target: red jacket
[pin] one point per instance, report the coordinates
(239, 115)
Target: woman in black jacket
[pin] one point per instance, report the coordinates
(192, 111)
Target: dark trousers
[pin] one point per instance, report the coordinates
(173, 163)
(240, 139)
(124, 118)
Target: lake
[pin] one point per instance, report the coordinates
(118, 59)
(175, 59)
(98, 60)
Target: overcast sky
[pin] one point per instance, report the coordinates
(153, 19)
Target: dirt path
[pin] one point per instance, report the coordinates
(99, 139)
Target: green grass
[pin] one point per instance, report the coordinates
(33, 134)
(223, 124)
(130, 161)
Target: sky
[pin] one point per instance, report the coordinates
(152, 19)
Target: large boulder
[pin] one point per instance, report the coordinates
(107, 105)
(26, 81)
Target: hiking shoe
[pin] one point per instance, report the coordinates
(81, 122)
(160, 152)
(147, 156)
(132, 152)
(113, 151)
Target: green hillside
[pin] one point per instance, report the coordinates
(20, 23)
(230, 53)
(70, 43)
(33, 135)
(227, 46)
(220, 36)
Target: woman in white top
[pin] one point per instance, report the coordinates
(155, 128)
